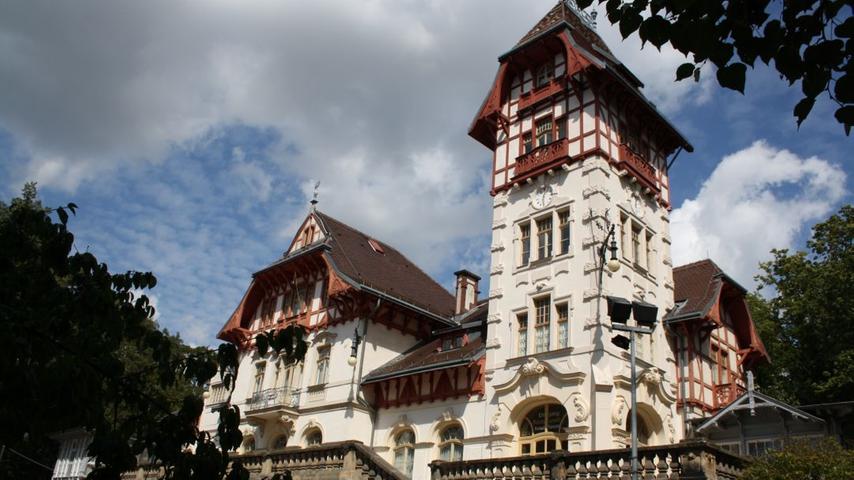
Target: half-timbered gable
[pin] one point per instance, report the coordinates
(715, 335)
(561, 96)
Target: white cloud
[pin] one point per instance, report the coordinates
(372, 98)
(756, 199)
(657, 69)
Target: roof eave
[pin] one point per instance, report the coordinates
(423, 368)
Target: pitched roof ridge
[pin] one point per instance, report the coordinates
(698, 262)
(390, 247)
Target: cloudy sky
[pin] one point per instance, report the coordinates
(191, 133)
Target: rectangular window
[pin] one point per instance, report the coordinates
(757, 448)
(298, 299)
(562, 324)
(624, 240)
(527, 143)
(258, 384)
(544, 238)
(267, 310)
(525, 234)
(322, 366)
(636, 247)
(542, 324)
(648, 245)
(544, 75)
(561, 127)
(724, 365)
(522, 325)
(545, 132)
(563, 228)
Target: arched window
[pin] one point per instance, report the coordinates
(248, 444)
(404, 452)
(543, 430)
(280, 442)
(451, 443)
(313, 437)
(644, 432)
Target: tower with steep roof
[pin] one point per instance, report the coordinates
(576, 148)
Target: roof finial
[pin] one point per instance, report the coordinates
(314, 197)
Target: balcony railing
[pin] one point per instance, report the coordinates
(726, 393)
(694, 460)
(271, 398)
(541, 93)
(639, 167)
(542, 157)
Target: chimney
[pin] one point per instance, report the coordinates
(466, 291)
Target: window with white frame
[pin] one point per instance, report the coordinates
(545, 131)
(545, 75)
(562, 310)
(759, 447)
(525, 240)
(542, 323)
(563, 230)
(258, 383)
(527, 142)
(451, 443)
(322, 372)
(404, 452)
(648, 256)
(544, 237)
(522, 334)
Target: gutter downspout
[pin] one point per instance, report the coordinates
(373, 414)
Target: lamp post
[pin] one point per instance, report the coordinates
(645, 314)
(613, 262)
(354, 349)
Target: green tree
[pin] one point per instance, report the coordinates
(826, 460)
(808, 324)
(80, 349)
(806, 40)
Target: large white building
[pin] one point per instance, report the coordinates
(531, 367)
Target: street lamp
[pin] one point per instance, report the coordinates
(613, 263)
(354, 350)
(645, 315)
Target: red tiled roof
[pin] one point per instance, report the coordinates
(387, 271)
(428, 353)
(563, 13)
(697, 284)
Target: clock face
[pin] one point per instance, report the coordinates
(541, 198)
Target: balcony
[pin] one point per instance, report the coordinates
(271, 402)
(539, 94)
(726, 393)
(638, 167)
(541, 159)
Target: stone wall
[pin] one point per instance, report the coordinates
(349, 460)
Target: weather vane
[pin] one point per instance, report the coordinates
(314, 197)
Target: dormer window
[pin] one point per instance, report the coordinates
(375, 245)
(545, 75)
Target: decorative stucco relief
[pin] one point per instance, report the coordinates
(619, 410)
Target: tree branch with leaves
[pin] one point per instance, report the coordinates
(806, 41)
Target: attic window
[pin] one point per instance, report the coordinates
(376, 246)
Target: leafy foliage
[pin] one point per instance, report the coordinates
(807, 40)
(808, 326)
(81, 350)
(826, 460)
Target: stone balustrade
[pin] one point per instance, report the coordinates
(694, 460)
